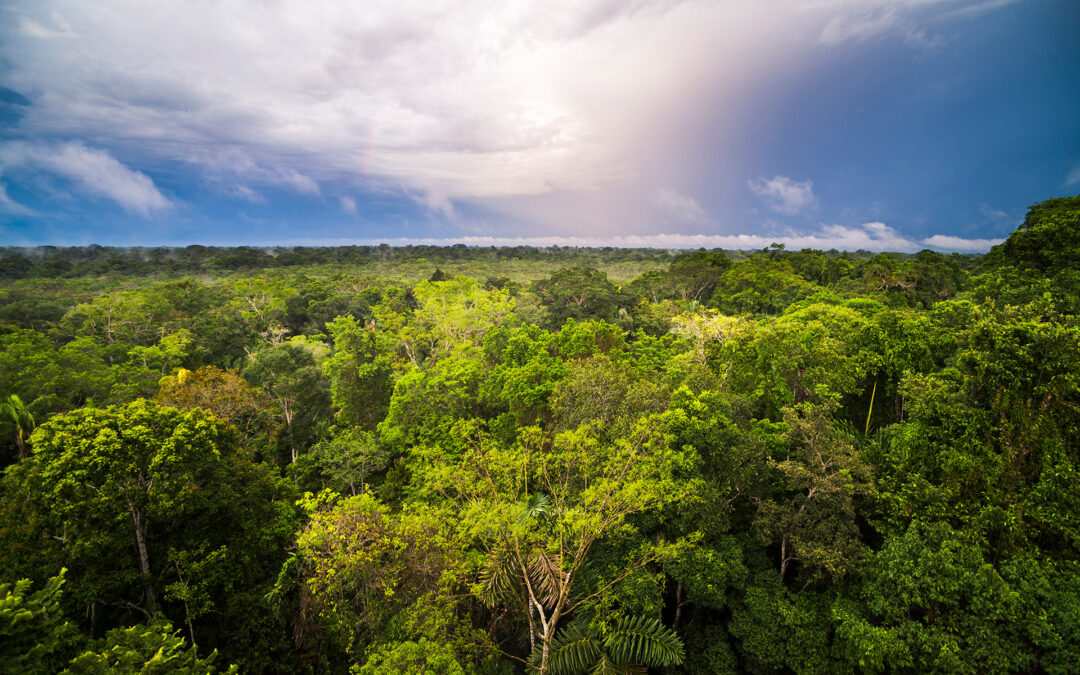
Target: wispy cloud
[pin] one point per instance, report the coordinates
(784, 195)
(678, 206)
(58, 27)
(978, 7)
(9, 206)
(244, 192)
(1074, 176)
(434, 200)
(95, 172)
(348, 205)
(857, 28)
(298, 181)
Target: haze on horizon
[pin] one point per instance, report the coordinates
(881, 124)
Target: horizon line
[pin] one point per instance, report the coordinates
(841, 239)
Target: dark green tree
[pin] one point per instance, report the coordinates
(581, 293)
(289, 376)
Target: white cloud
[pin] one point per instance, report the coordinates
(443, 100)
(11, 207)
(868, 236)
(849, 28)
(1074, 176)
(296, 180)
(348, 205)
(466, 99)
(947, 242)
(975, 8)
(244, 192)
(434, 200)
(859, 27)
(679, 206)
(60, 27)
(784, 195)
(96, 172)
(228, 165)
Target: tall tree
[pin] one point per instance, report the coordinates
(289, 375)
(539, 508)
(134, 500)
(118, 474)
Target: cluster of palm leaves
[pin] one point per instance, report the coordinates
(629, 644)
(632, 645)
(16, 420)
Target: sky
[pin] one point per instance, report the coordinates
(849, 124)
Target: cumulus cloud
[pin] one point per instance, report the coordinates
(95, 172)
(947, 242)
(679, 206)
(784, 195)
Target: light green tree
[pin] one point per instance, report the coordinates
(537, 508)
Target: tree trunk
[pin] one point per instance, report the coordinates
(783, 558)
(144, 557)
(679, 602)
(548, 636)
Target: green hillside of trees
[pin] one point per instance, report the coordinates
(453, 460)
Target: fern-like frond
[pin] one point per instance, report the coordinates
(605, 666)
(497, 578)
(643, 641)
(586, 582)
(576, 649)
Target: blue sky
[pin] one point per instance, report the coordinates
(880, 124)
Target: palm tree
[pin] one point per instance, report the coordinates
(15, 414)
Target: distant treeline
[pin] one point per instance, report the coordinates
(73, 261)
(77, 261)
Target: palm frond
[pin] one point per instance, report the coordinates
(574, 650)
(605, 666)
(586, 582)
(546, 575)
(496, 578)
(536, 505)
(643, 641)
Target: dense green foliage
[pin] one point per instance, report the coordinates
(426, 460)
